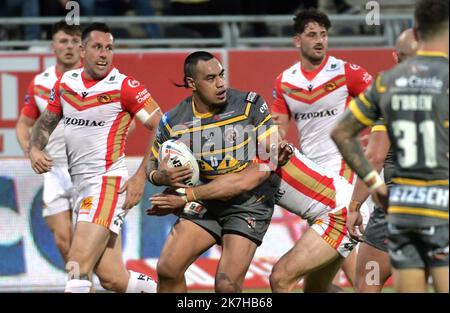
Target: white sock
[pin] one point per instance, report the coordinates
(140, 283)
(78, 286)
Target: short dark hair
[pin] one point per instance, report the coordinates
(302, 18)
(431, 17)
(73, 30)
(190, 64)
(100, 27)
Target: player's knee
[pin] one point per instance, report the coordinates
(279, 280)
(224, 284)
(168, 271)
(275, 279)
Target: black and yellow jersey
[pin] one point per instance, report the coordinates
(413, 99)
(223, 142)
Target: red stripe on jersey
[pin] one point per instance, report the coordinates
(329, 228)
(42, 92)
(324, 180)
(279, 104)
(305, 190)
(341, 171)
(111, 139)
(344, 228)
(309, 97)
(346, 172)
(80, 103)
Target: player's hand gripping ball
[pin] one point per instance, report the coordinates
(180, 155)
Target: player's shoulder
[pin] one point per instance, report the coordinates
(356, 74)
(351, 67)
(291, 71)
(395, 75)
(72, 75)
(178, 112)
(239, 97)
(128, 85)
(49, 74)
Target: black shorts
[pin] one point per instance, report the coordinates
(376, 233)
(413, 247)
(247, 224)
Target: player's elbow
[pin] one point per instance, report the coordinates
(243, 186)
(249, 183)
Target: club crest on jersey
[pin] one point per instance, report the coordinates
(86, 204)
(329, 87)
(133, 83)
(104, 98)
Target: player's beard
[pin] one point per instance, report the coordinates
(213, 105)
(97, 75)
(312, 57)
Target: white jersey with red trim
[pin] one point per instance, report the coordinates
(36, 100)
(316, 100)
(309, 190)
(97, 115)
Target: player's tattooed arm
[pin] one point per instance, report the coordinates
(345, 136)
(150, 168)
(43, 129)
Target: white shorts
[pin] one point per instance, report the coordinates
(366, 210)
(100, 203)
(332, 228)
(58, 191)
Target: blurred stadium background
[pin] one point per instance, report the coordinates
(252, 38)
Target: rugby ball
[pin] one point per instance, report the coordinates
(180, 155)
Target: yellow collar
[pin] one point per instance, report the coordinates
(198, 114)
(429, 53)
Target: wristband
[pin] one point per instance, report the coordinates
(373, 180)
(190, 195)
(150, 177)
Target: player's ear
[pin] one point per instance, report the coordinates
(191, 83)
(83, 50)
(296, 41)
(395, 56)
